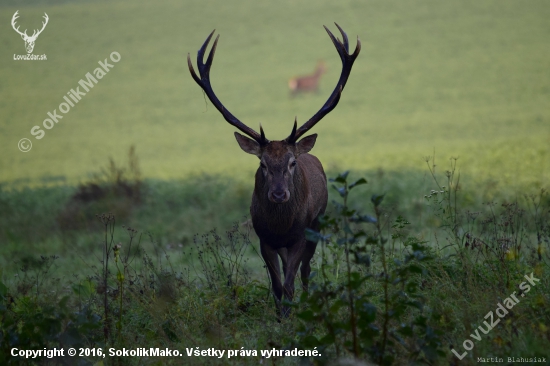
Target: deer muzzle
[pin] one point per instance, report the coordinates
(279, 196)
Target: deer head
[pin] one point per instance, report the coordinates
(321, 68)
(29, 40)
(278, 159)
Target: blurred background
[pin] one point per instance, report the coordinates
(464, 79)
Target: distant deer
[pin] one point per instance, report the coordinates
(290, 191)
(309, 83)
(29, 40)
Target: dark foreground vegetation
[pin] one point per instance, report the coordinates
(402, 275)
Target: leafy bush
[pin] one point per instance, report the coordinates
(346, 316)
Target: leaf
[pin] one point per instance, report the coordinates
(416, 304)
(405, 329)
(306, 315)
(359, 234)
(349, 213)
(3, 290)
(363, 259)
(371, 240)
(356, 280)
(415, 268)
(347, 229)
(420, 321)
(327, 339)
(63, 302)
(314, 236)
(376, 199)
(342, 241)
(364, 218)
(326, 221)
(400, 223)
(85, 288)
(341, 190)
(358, 182)
(419, 255)
(336, 306)
(341, 178)
(367, 311)
(411, 287)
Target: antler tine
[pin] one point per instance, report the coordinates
(262, 134)
(204, 83)
(295, 126)
(200, 61)
(44, 23)
(202, 50)
(36, 32)
(347, 62)
(344, 37)
(13, 21)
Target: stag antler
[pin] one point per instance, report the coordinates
(204, 83)
(330, 104)
(13, 20)
(36, 32)
(43, 26)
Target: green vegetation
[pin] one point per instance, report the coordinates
(451, 239)
(381, 289)
(464, 78)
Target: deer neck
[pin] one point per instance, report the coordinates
(280, 218)
(319, 71)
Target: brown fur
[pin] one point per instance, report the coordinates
(281, 226)
(308, 83)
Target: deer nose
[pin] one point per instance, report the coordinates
(279, 196)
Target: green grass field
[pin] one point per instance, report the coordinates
(464, 79)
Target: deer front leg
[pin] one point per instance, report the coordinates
(283, 254)
(294, 257)
(305, 269)
(272, 262)
(309, 252)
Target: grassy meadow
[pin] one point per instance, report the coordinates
(436, 84)
(465, 79)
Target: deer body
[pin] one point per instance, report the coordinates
(290, 191)
(309, 83)
(281, 227)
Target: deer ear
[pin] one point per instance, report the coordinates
(248, 145)
(306, 144)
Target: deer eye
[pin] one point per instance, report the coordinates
(263, 165)
(293, 163)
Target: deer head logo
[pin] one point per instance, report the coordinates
(29, 40)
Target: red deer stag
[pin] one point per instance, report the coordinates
(290, 191)
(309, 83)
